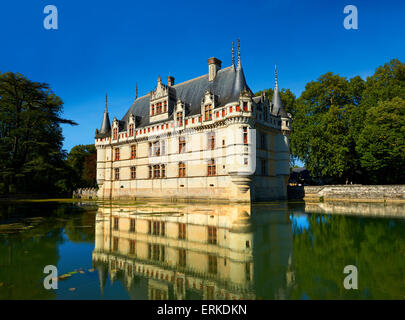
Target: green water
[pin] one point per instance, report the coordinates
(277, 250)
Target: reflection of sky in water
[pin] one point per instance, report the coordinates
(299, 221)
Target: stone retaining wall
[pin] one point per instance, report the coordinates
(355, 192)
(85, 193)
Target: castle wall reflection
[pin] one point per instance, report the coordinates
(196, 251)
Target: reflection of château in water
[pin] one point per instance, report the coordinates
(215, 252)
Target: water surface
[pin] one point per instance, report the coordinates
(126, 250)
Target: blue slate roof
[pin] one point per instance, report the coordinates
(227, 85)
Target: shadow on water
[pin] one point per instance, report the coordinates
(279, 250)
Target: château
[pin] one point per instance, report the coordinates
(206, 138)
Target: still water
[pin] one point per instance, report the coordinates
(279, 250)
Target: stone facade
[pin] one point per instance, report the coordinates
(207, 138)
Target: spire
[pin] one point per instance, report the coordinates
(278, 109)
(239, 52)
(239, 84)
(105, 125)
(276, 80)
(136, 93)
(233, 55)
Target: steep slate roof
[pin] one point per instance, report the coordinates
(227, 86)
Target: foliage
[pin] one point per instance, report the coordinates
(31, 155)
(83, 160)
(352, 130)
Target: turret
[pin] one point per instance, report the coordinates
(278, 109)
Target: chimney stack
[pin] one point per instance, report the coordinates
(170, 81)
(214, 65)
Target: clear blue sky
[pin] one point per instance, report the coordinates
(111, 45)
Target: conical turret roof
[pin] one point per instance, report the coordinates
(105, 125)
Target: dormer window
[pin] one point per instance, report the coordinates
(165, 106)
(153, 109)
(115, 133)
(179, 118)
(131, 130)
(208, 112)
(245, 106)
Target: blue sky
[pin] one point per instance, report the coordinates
(109, 46)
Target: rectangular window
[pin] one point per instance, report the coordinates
(182, 169)
(131, 130)
(117, 154)
(208, 112)
(133, 151)
(132, 225)
(116, 223)
(212, 264)
(115, 243)
(182, 258)
(182, 144)
(245, 135)
(211, 168)
(150, 172)
(245, 106)
(156, 148)
(182, 231)
(115, 133)
(163, 169)
(133, 173)
(179, 118)
(153, 109)
(117, 173)
(211, 141)
(156, 171)
(212, 235)
(131, 246)
(150, 149)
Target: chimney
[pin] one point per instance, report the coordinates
(170, 81)
(214, 65)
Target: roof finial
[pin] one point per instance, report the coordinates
(276, 79)
(233, 54)
(238, 51)
(105, 102)
(136, 93)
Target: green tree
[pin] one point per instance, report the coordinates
(321, 127)
(83, 160)
(381, 143)
(31, 155)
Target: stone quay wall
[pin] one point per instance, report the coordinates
(355, 192)
(85, 193)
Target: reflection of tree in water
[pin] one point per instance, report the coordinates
(375, 246)
(25, 253)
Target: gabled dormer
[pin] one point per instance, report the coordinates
(161, 101)
(179, 114)
(208, 104)
(115, 129)
(131, 126)
(245, 100)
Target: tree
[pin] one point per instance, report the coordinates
(31, 155)
(83, 160)
(381, 143)
(321, 136)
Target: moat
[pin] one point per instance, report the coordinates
(151, 250)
